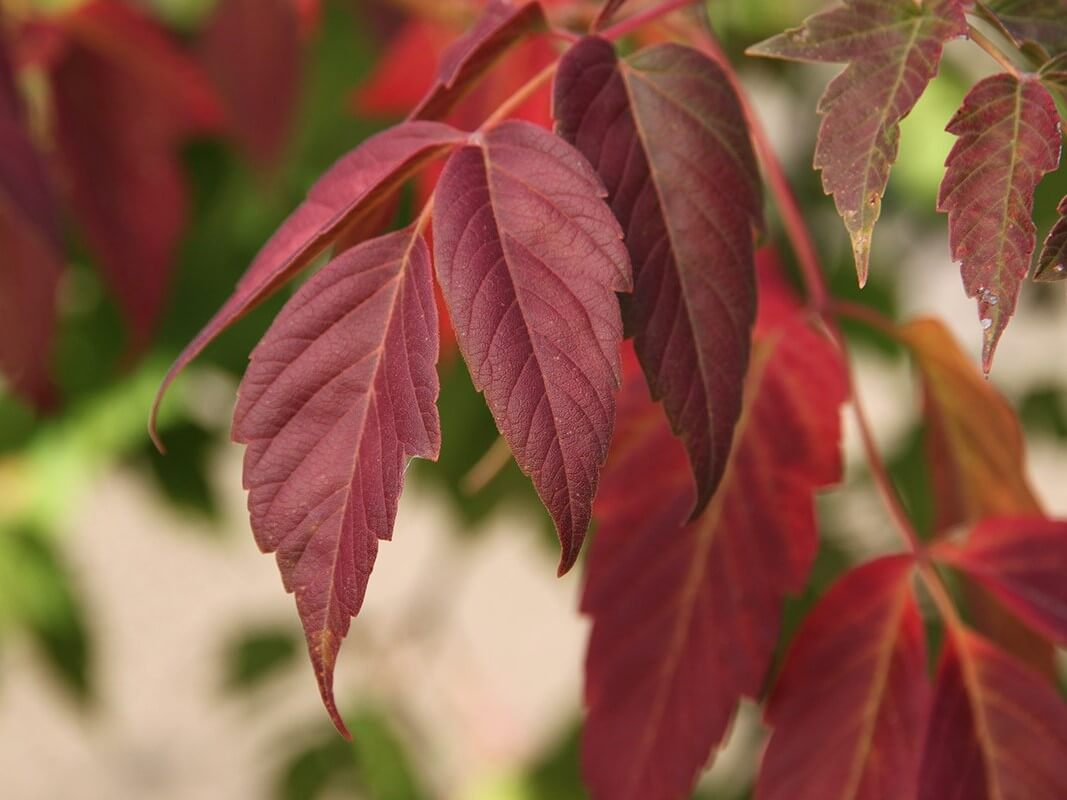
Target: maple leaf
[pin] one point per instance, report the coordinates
(1041, 21)
(856, 673)
(529, 258)
(893, 49)
(345, 201)
(338, 396)
(686, 615)
(1022, 561)
(997, 731)
(251, 48)
(666, 133)
(31, 243)
(1009, 137)
(1052, 263)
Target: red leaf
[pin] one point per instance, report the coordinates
(1022, 561)
(686, 616)
(997, 731)
(342, 201)
(1009, 137)
(338, 396)
(252, 50)
(1052, 263)
(850, 708)
(405, 71)
(529, 258)
(607, 13)
(893, 48)
(666, 133)
(1041, 21)
(500, 26)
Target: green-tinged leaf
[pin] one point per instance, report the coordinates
(893, 49)
(1041, 21)
(254, 656)
(1052, 263)
(1009, 137)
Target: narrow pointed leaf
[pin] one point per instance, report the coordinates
(1009, 137)
(1052, 263)
(1040, 21)
(529, 258)
(1022, 561)
(338, 396)
(666, 133)
(686, 615)
(501, 25)
(856, 675)
(607, 13)
(342, 202)
(893, 49)
(997, 731)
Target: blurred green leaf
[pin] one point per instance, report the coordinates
(1044, 411)
(254, 656)
(182, 473)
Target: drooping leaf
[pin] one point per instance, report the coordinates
(666, 133)
(1040, 21)
(1052, 263)
(339, 395)
(529, 258)
(1009, 137)
(251, 48)
(125, 100)
(32, 255)
(1022, 561)
(340, 203)
(893, 49)
(501, 25)
(686, 615)
(997, 731)
(849, 710)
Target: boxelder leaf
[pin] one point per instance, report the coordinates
(529, 258)
(686, 615)
(997, 731)
(501, 25)
(251, 48)
(1009, 137)
(340, 203)
(1040, 21)
(1052, 263)
(1022, 561)
(338, 396)
(666, 133)
(893, 49)
(856, 674)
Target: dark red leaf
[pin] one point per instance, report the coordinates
(1040, 21)
(666, 133)
(344, 198)
(1052, 263)
(997, 730)
(607, 13)
(893, 48)
(251, 48)
(339, 395)
(850, 707)
(500, 26)
(686, 616)
(529, 258)
(1022, 561)
(1009, 137)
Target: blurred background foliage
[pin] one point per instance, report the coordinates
(48, 463)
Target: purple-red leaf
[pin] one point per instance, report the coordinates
(346, 197)
(686, 615)
(607, 13)
(893, 48)
(666, 133)
(1040, 21)
(1009, 137)
(501, 25)
(997, 730)
(1052, 263)
(251, 48)
(529, 258)
(850, 707)
(339, 395)
(1022, 561)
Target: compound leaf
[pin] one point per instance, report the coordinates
(529, 258)
(893, 49)
(339, 395)
(665, 131)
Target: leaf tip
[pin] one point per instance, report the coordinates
(323, 649)
(861, 250)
